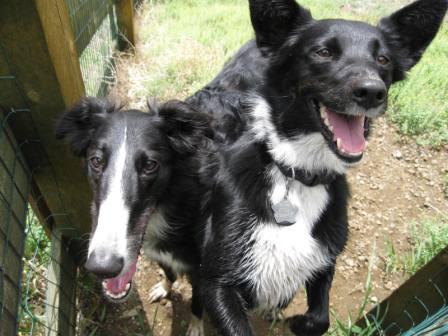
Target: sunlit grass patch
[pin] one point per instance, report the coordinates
(427, 238)
(184, 44)
(420, 103)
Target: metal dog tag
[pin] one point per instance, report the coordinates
(285, 213)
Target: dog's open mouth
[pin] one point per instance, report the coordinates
(118, 288)
(345, 132)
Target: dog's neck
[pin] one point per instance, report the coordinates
(308, 155)
(307, 178)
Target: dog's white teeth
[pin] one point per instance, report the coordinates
(339, 144)
(323, 111)
(104, 283)
(119, 295)
(324, 116)
(327, 123)
(128, 286)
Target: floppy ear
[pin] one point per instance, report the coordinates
(79, 122)
(410, 30)
(274, 20)
(185, 127)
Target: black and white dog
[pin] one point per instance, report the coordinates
(144, 172)
(278, 209)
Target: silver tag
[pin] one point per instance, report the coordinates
(285, 212)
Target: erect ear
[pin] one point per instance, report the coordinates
(275, 20)
(410, 30)
(185, 127)
(79, 122)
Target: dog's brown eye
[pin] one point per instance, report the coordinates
(383, 60)
(96, 162)
(150, 167)
(324, 53)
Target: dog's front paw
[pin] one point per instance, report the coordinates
(308, 325)
(160, 291)
(196, 327)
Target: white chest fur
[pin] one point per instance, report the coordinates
(284, 257)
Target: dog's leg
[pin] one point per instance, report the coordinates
(162, 288)
(196, 327)
(316, 320)
(226, 309)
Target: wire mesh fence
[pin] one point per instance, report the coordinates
(14, 191)
(32, 299)
(419, 307)
(94, 23)
(435, 320)
(38, 253)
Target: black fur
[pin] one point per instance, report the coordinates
(295, 64)
(169, 134)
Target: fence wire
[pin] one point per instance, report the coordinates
(26, 249)
(94, 23)
(38, 290)
(423, 315)
(14, 191)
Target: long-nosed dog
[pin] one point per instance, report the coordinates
(144, 172)
(293, 110)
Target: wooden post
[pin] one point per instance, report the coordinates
(62, 48)
(61, 289)
(125, 16)
(40, 53)
(53, 288)
(41, 76)
(429, 285)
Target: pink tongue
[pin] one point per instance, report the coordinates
(118, 284)
(349, 130)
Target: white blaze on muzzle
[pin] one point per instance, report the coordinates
(110, 236)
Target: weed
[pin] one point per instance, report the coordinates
(155, 318)
(392, 260)
(142, 325)
(427, 238)
(445, 184)
(350, 328)
(35, 260)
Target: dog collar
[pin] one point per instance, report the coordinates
(306, 177)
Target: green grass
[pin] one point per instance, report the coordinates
(184, 44)
(36, 257)
(427, 238)
(199, 37)
(445, 185)
(420, 104)
(349, 327)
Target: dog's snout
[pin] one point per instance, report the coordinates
(369, 93)
(105, 265)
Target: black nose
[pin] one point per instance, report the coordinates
(369, 93)
(104, 265)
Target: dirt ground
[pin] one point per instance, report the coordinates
(397, 183)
